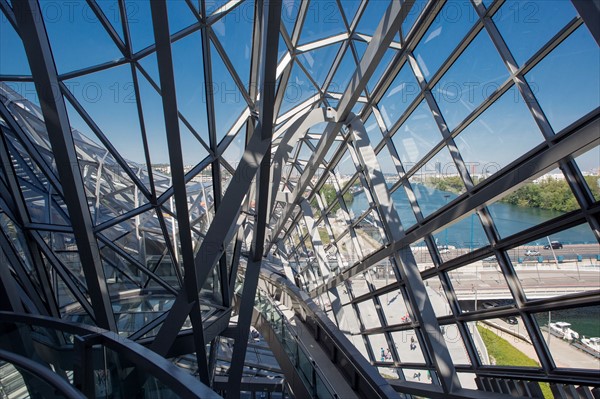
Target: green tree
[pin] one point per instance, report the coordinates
(549, 194)
(453, 184)
(329, 195)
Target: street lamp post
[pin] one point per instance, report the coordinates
(471, 239)
(446, 196)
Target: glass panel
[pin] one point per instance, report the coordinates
(234, 31)
(289, 12)
(572, 335)
(543, 199)
(399, 95)
(381, 67)
(139, 17)
(344, 73)
(109, 98)
(408, 346)
(370, 234)
(421, 253)
(348, 322)
(527, 25)
(488, 144)
(371, 17)
(356, 200)
(437, 296)
(299, 88)
(387, 167)
(228, 100)
(18, 382)
(13, 60)
(417, 136)
(480, 285)
(342, 293)
(71, 32)
(323, 19)
(403, 207)
(373, 130)
(416, 375)
(589, 164)
(504, 347)
(345, 169)
(394, 308)
(180, 16)
(412, 16)
(571, 64)
(449, 27)
(436, 183)
(559, 264)
(346, 249)
(455, 344)
(380, 348)
(350, 7)
(460, 237)
(473, 77)
(382, 274)
(358, 285)
(319, 62)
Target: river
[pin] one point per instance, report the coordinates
(468, 232)
(509, 219)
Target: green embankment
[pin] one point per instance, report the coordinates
(548, 194)
(505, 354)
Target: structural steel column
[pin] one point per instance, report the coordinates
(409, 270)
(383, 36)
(169, 101)
(45, 76)
(272, 20)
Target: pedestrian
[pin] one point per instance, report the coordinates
(388, 354)
(382, 354)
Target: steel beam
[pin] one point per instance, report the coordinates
(589, 11)
(409, 270)
(271, 20)
(169, 100)
(43, 69)
(383, 36)
(580, 137)
(25, 220)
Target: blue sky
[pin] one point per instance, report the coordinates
(565, 83)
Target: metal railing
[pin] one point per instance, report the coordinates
(98, 359)
(34, 378)
(309, 371)
(363, 379)
(311, 374)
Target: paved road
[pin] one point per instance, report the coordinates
(564, 354)
(588, 252)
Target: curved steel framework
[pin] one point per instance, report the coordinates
(369, 150)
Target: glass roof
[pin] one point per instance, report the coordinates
(469, 156)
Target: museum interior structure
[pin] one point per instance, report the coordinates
(299, 199)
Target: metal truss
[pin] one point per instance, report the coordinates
(82, 226)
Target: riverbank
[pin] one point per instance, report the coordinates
(564, 354)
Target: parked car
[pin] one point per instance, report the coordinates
(511, 320)
(554, 244)
(489, 304)
(532, 252)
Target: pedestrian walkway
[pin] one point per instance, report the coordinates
(329, 369)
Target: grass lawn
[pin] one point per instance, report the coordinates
(507, 355)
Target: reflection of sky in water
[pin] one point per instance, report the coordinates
(509, 220)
